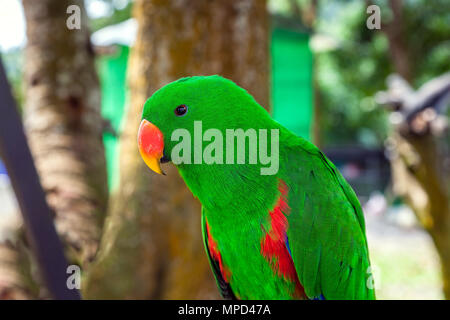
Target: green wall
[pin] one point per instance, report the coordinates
(292, 93)
(112, 70)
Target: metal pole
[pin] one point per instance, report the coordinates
(36, 213)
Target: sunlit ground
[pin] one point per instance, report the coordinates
(405, 257)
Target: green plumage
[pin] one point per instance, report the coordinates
(325, 232)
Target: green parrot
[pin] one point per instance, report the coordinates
(280, 226)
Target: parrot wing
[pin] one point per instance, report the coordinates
(327, 234)
(215, 263)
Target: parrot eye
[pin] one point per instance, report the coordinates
(181, 110)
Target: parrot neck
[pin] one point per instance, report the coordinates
(240, 187)
(235, 187)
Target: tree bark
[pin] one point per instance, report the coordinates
(419, 175)
(15, 278)
(418, 178)
(63, 123)
(398, 45)
(152, 246)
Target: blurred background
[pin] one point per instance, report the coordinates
(372, 91)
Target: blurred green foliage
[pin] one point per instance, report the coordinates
(118, 13)
(349, 74)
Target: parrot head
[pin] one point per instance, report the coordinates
(215, 101)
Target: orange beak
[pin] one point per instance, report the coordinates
(151, 145)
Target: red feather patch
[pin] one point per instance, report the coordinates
(215, 254)
(273, 244)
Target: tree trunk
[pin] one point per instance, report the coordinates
(417, 177)
(63, 123)
(417, 173)
(152, 246)
(398, 44)
(15, 278)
